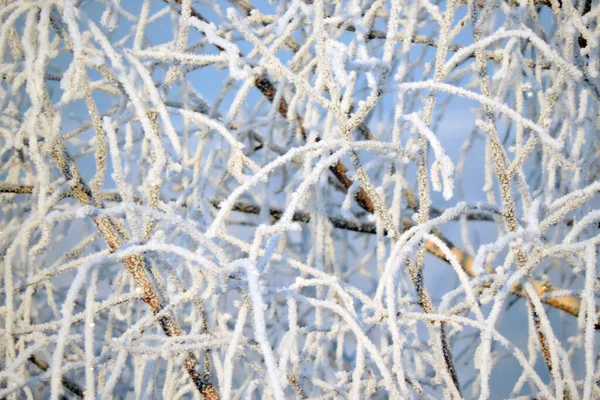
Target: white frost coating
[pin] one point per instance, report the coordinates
(258, 309)
(484, 100)
(213, 124)
(275, 136)
(158, 103)
(591, 319)
(231, 350)
(71, 82)
(66, 314)
(442, 165)
(526, 33)
(90, 386)
(338, 54)
(321, 146)
(236, 68)
(116, 59)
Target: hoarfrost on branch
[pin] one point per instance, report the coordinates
(299, 199)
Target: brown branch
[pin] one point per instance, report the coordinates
(568, 304)
(67, 383)
(427, 41)
(340, 170)
(115, 236)
(362, 198)
(415, 39)
(135, 264)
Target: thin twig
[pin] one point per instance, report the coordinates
(568, 304)
(67, 383)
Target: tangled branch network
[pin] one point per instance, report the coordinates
(253, 199)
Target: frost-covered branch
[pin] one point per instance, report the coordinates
(244, 188)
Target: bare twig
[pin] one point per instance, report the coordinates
(67, 383)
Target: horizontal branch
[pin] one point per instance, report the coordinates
(67, 383)
(427, 41)
(135, 264)
(415, 39)
(569, 304)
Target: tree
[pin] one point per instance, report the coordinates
(299, 199)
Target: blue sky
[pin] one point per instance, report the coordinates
(454, 128)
